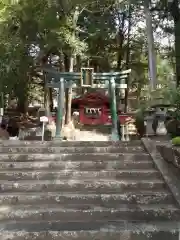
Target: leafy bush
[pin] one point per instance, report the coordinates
(172, 121)
(173, 96)
(176, 141)
(173, 127)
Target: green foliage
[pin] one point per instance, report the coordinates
(176, 141)
(173, 96)
(91, 31)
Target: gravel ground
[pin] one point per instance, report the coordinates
(89, 136)
(72, 134)
(83, 134)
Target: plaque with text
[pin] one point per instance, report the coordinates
(87, 77)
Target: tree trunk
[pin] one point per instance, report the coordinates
(151, 50)
(62, 69)
(68, 95)
(176, 16)
(47, 101)
(78, 63)
(51, 106)
(177, 51)
(120, 41)
(128, 57)
(68, 92)
(79, 91)
(22, 103)
(51, 99)
(21, 93)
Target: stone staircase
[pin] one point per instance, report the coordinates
(83, 190)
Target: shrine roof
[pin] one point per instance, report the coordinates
(91, 97)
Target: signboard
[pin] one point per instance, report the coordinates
(44, 119)
(87, 77)
(1, 111)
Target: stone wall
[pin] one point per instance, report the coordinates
(170, 154)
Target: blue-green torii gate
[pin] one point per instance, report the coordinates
(86, 78)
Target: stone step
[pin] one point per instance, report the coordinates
(80, 186)
(148, 174)
(83, 190)
(103, 230)
(19, 143)
(78, 165)
(74, 157)
(80, 149)
(106, 200)
(66, 213)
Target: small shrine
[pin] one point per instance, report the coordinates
(94, 109)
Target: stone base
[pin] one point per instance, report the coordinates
(58, 139)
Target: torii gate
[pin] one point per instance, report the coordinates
(89, 79)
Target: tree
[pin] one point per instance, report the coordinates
(169, 9)
(150, 44)
(68, 35)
